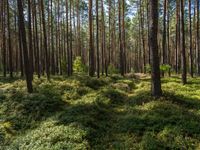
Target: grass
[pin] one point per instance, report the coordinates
(111, 113)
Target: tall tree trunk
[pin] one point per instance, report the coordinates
(177, 34)
(148, 28)
(124, 37)
(53, 69)
(45, 41)
(24, 45)
(184, 69)
(30, 38)
(198, 44)
(9, 41)
(4, 53)
(190, 32)
(168, 37)
(91, 48)
(37, 41)
(155, 73)
(164, 35)
(71, 46)
(67, 26)
(97, 38)
(120, 41)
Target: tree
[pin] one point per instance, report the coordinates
(37, 59)
(155, 73)
(45, 41)
(190, 32)
(24, 45)
(91, 48)
(9, 42)
(4, 51)
(198, 44)
(184, 69)
(30, 37)
(177, 35)
(97, 38)
(164, 34)
(120, 41)
(124, 37)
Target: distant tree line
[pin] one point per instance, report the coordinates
(44, 37)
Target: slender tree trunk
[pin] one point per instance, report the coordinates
(148, 28)
(71, 46)
(53, 69)
(184, 69)
(124, 37)
(97, 38)
(164, 35)
(4, 53)
(177, 34)
(9, 42)
(190, 32)
(30, 38)
(24, 44)
(91, 48)
(45, 41)
(198, 44)
(37, 41)
(168, 37)
(120, 41)
(155, 74)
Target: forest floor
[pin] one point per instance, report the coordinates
(109, 113)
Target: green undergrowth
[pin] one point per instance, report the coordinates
(107, 113)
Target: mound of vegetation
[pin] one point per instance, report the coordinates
(110, 113)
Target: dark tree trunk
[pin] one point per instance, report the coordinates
(120, 41)
(198, 44)
(24, 45)
(45, 41)
(177, 34)
(97, 38)
(155, 74)
(4, 53)
(30, 38)
(9, 42)
(164, 35)
(184, 69)
(190, 32)
(91, 51)
(37, 41)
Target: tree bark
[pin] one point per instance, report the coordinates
(91, 48)
(24, 45)
(190, 32)
(155, 73)
(45, 41)
(184, 69)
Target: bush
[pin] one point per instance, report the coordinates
(148, 68)
(78, 66)
(115, 96)
(112, 69)
(94, 83)
(164, 68)
(53, 137)
(124, 85)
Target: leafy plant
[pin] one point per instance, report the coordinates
(112, 69)
(148, 68)
(78, 66)
(165, 68)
